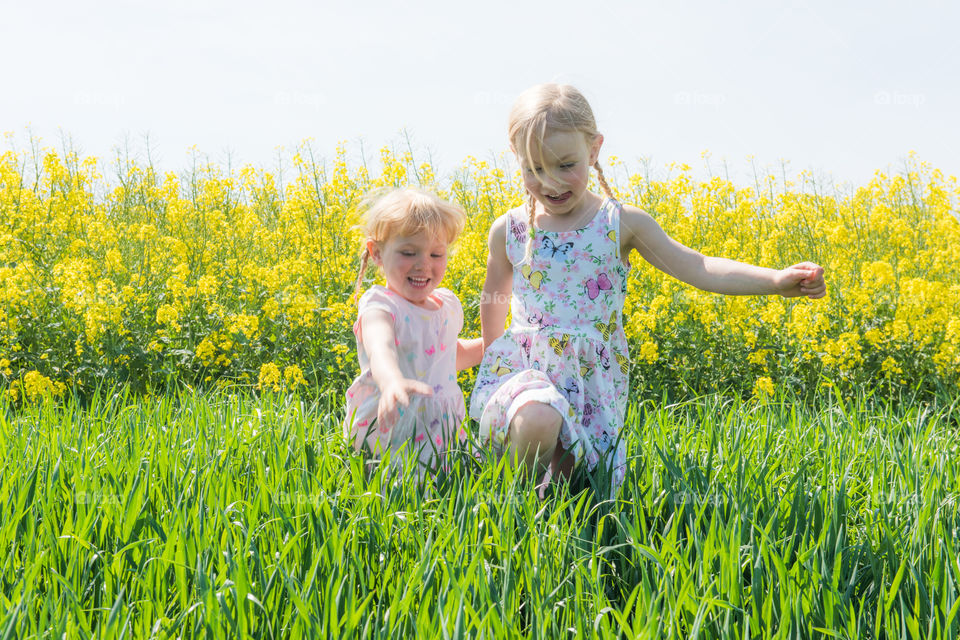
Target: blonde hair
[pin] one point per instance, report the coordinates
(402, 213)
(541, 109)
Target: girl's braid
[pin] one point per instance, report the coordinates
(364, 257)
(603, 181)
(531, 207)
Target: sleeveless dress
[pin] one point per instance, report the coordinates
(426, 343)
(565, 345)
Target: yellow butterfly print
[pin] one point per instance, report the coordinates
(497, 369)
(560, 345)
(612, 234)
(607, 329)
(584, 371)
(535, 277)
(624, 363)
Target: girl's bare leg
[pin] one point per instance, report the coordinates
(559, 470)
(534, 435)
(534, 438)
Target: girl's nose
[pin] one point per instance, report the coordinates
(548, 183)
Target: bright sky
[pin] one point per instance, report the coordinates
(842, 89)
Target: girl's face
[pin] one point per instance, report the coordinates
(560, 182)
(413, 265)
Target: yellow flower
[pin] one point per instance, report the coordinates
(874, 336)
(763, 387)
(207, 350)
(169, 315)
(890, 367)
(294, 376)
(270, 308)
(270, 377)
(246, 324)
(37, 386)
(207, 285)
(773, 312)
(649, 352)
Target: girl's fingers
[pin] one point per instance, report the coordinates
(809, 279)
(812, 269)
(816, 290)
(422, 388)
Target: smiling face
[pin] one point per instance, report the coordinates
(557, 176)
(413, 265)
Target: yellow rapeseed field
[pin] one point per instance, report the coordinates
(240, 277)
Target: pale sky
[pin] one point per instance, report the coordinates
(842, 89)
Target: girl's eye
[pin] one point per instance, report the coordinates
(568, 165)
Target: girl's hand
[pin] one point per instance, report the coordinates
(804, 279)
(395, 397)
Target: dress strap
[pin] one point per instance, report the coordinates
(516, 236)
(612, 223)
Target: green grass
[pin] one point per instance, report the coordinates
(210, 515)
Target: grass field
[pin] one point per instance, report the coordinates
(217, 515)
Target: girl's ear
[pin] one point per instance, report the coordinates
(373, 250)
(595, 148)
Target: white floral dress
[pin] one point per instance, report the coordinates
(565, 345)
(426, 343)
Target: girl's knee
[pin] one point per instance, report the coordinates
(536, 425)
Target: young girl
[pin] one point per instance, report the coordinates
(553, 388)
(407, 394)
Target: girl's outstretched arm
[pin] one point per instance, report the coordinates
(379, 341)
(638, 230)
(469, 352)
(495, 299)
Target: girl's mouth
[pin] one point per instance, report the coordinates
(418, 283)
(559, 199)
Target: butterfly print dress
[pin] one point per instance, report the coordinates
(565, 345)
(426, 343)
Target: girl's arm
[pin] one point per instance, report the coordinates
(638, 230)
(495, 299)
(469, 352)
(379, 341)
